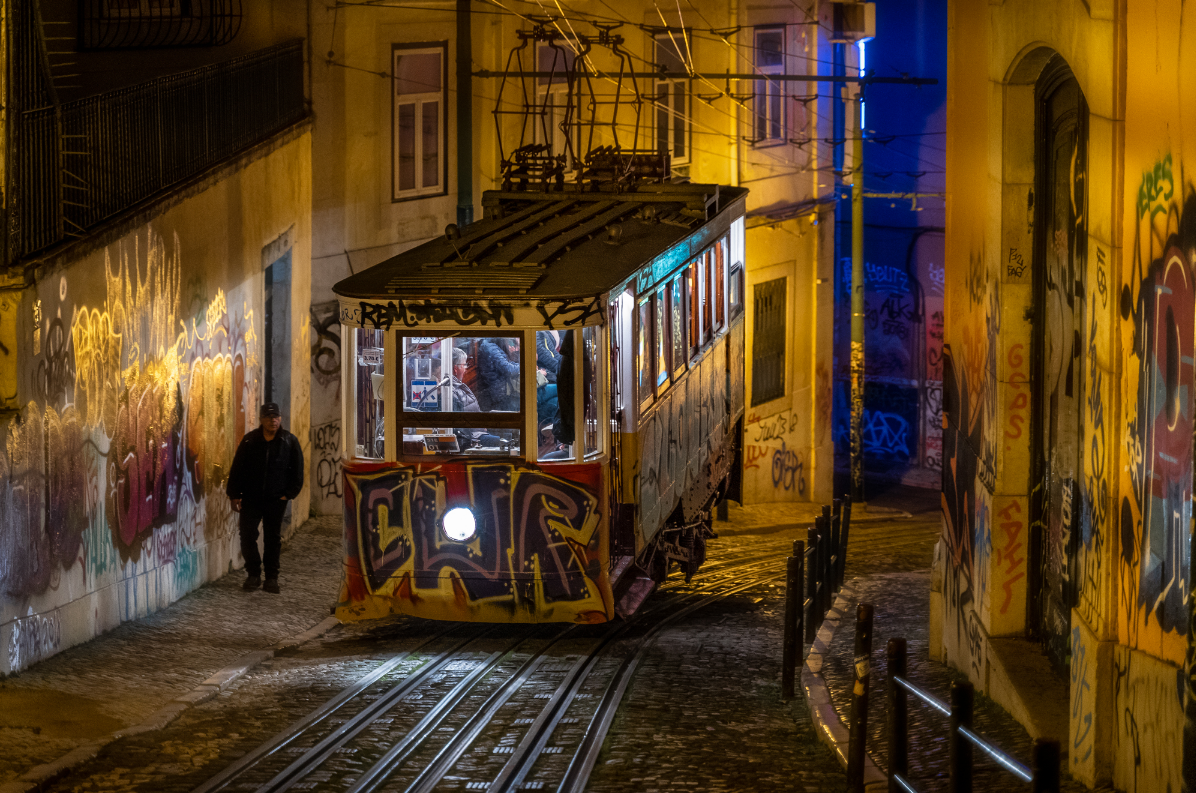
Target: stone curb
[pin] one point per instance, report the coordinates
(39, 776)
(827, 722)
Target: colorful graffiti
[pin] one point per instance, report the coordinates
(539, 554)
(138, 413)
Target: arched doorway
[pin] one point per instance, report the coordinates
(1060, 244)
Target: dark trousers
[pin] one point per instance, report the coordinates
(269, 515)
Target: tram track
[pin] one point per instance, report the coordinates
(413, 761)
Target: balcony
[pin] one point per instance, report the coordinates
(77, 164)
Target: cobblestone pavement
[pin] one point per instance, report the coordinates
(702, 713)
(120, 678)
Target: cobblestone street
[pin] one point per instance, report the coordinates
(703, 711)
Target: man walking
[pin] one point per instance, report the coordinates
(267, 472)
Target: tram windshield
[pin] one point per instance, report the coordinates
(484, 376)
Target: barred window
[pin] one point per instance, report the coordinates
(768, 342)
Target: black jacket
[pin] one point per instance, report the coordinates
(266, 470)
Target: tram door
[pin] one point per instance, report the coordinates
(1060, 244)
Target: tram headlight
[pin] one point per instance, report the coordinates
(459, 524)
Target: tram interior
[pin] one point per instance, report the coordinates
(485, 377)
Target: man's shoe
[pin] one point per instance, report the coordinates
(271, 586)
(251, 583)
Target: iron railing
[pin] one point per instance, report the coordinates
(83, 162)
(1044, 777)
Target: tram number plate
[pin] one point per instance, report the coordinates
(425, 394)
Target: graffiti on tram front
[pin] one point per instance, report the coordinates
(536, 555)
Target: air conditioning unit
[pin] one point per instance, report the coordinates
(849, 22)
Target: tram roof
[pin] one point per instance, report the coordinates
(555, 244)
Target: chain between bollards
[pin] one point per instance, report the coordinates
(859, 698)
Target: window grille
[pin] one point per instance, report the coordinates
(768, 342)
(152, 24)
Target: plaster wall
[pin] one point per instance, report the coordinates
(140, 368)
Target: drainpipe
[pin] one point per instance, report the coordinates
(464, 115)
(857, 304)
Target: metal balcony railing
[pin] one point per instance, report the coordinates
(79, 163)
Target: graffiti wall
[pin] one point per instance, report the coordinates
(327, 486)
(140, 374)
(539, 554)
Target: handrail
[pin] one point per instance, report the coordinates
(1044, 776)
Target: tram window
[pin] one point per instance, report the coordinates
(676, 291)
(704, 281)
(736, 290)
(719, 272)
(664, 347)
(485, 376)
(371, 395)
(589, 389)
(643, 358)
(695, 308)
(554, 394)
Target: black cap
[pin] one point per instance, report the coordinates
(270, 409)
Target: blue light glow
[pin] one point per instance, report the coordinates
(860, 45)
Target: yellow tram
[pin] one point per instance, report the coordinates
(542, 408)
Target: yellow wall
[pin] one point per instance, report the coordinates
(140, 368)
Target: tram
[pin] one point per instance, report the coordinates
(542, 408)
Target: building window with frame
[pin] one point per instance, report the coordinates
(143, 8)
(420, 135)
(769, 111)
(552, 97)
(672, 95)
(768, 341)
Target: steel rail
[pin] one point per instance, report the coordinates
(319, 753)
(464, 737)
(281, 739)
(578, 773)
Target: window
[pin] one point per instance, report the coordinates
(664, 347)
(672, 95)
(371, 394)
(643, 357)
(768, 342)
(704, 280)
(680, 356)
(769, 111)
(736, 290)
(552, 97)
(555, 418)
(694, 289)
(592, 359)
(420, 167)
(142, 8)
(718, 290)
(481, 389)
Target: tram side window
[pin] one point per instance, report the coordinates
(676, 291)
(589, 390)
(704, 278)
(736, 290)
(719, 291)
(693, 290)
(484, 376)
(371, 395)
(664, 347)
(643, 358)
(554, 394)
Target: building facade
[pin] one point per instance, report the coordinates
(155, 291)
(388, 145)
(1065, 557)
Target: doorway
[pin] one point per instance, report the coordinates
(1060, 244)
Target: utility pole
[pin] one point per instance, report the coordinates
(464, 114)
(857, 303)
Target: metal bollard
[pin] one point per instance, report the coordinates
(789, 652)
(799, 551)
(836, 551)
(859, 698)
(813, 618)
(1046, 766)
(898, 714)
(824, 575)
(844, 531)
(960, 748)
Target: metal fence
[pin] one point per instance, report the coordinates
(83, 162)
